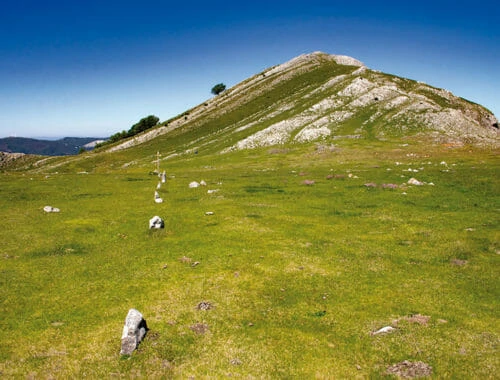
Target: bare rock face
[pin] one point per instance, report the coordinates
(133, 332)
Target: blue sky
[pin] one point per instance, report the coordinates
(93, 68)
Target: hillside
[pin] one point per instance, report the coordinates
(326, 97)
(310, 231)
(61, 147)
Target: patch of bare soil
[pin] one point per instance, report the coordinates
(199, 328)
(458, 262)
(415, 318)
(407, 369)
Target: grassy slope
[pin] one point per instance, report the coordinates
(298, 275)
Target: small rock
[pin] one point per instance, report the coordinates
(384, 330)
(204, 305)
(156, 222)
(414, 181)
(209, 213)
(203, 183)
(194, 185)
(158, 200)
(308, 182)
(370, 184)
(51, 209)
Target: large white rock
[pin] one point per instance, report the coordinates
(134, 330)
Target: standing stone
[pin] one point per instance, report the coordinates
(133, 332)
(163, 177)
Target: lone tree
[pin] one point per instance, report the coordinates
(218, 88)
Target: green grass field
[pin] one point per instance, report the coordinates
(298, 276)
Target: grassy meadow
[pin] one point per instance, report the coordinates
(306, 254)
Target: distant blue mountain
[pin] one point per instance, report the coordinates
(62, 147)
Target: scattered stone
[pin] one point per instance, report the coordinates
(212, 191)
(370, 184)
(329, 176)
(158, 187)
(185, 260)
(203, 183)
(163, 177)
(158, 200)
(209, 213)
(407, 369)
(194, 185)
(308, 182)
(384, 330)
(196, 263)
(51, 209)
(156, 222)
(236, 361)
(133, 332)
(414, 181)
(204, 305)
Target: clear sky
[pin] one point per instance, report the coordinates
(93, 68)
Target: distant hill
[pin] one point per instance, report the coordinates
(63, 147)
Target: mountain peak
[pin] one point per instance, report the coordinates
(319, 96)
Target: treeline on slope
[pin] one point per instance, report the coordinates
(141, 126)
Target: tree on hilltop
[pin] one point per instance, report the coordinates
(218, 88)
(143, 124)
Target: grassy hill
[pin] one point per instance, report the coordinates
(312, 246)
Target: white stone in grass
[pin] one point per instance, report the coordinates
(156, 222)
(384, 330)
(158, 200)
(414, 181)
(194, 185)
(134, 330)
(51, 209)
